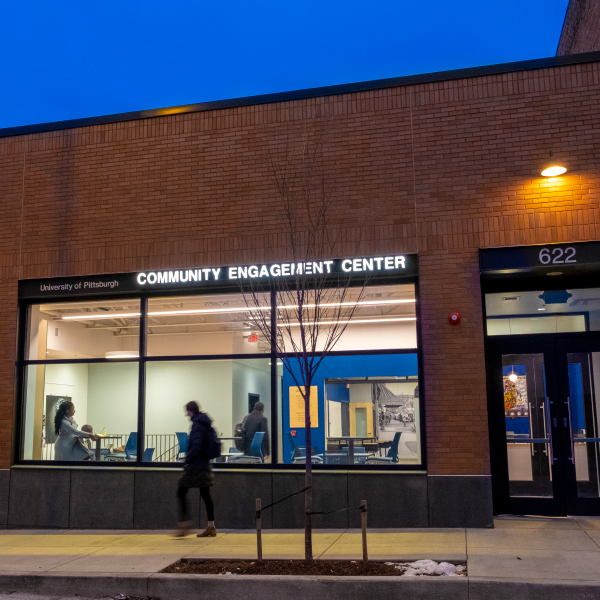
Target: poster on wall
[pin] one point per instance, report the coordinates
(297, 407)
(515, 396)
(394, 411)
(52, 404)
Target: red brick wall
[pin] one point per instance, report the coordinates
(441, 168)
(581, 29)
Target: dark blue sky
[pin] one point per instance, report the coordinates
(68, 59)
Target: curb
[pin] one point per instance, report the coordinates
(252, 587)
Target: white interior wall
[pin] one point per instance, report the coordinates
(69, 380)
(371, 336)
(250, 377)
(170, 385)
(334, 413)
(70, 339)
(113, 397)
(226, 342)
(360, 392)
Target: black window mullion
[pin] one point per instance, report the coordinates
(141, 426)
(274, 387)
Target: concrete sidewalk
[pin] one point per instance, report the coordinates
(525, 550)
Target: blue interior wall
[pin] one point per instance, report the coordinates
(334, 367)
(576, 394)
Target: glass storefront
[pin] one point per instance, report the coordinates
(208, 348)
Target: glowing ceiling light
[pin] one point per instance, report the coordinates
(351, 322)
(122, 354)
(554, 171)
(208, 311)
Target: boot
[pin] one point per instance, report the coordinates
(183, 529)
(208, 532)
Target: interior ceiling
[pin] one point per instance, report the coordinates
(529, 303)
(95, 315)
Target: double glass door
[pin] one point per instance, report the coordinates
(545, 425)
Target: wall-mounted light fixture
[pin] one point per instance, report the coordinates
(553, 168)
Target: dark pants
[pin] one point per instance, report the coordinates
(184, 513)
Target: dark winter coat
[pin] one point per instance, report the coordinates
(254, 423)
(195, 460)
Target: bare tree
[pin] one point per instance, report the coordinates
(314, 304)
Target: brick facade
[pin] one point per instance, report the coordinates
(441, 168)
(581, 28)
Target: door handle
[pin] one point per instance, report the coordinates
(549, 430)
(568, 403)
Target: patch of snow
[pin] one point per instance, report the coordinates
(430, 567)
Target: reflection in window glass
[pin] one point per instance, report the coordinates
(84, 330)
(385, 319)
(227, 390)
(366, 412)
(105, 396)
(209, 324)
(554, 311)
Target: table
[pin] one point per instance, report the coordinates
(350, 440)
(99, 440)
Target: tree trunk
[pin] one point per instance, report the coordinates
(308, 553)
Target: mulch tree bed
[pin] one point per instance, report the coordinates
(286, 567)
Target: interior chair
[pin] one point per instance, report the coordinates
(234, 450)
(130, 449)
(360, 453)
(316, 459)
(392, 455)
(182, 440)
(148, 454)
(299, 451)
(255, 448)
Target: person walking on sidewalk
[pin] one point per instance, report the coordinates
(196, 473)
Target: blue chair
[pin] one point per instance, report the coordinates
(130, 449)
(392, 455)
(255, 448)
(182, 440)
(298, 451)
(148, 454)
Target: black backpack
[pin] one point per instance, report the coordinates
(240, 432)
(212, 444)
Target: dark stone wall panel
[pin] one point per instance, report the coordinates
(394, 500)
(460, 501)
(39, 498)
(102, 499)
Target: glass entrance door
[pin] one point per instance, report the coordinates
(579, 390)
(525, 428)
(545, 424)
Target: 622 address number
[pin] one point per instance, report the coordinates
(558, 256)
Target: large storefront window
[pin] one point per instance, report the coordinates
(227, 390)
(76, 330)
(364, 410)
(105, 398)
(130, 385)
(201, 325)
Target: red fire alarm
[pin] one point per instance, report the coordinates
(253, 337)
(454, 318)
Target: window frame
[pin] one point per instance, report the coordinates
(22, 363)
